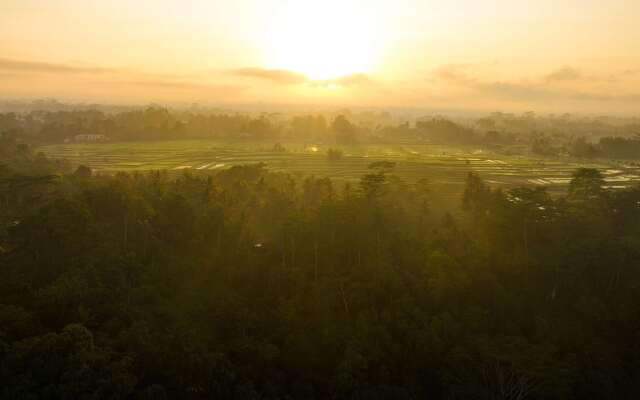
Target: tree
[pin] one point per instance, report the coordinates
(532, 206)
(65, 365)
(83, 172)
(581, 148)
(476, 194)
(373, 184)
(344, 130)
(586, 184)
(334, 154)
(486, 123)
(250, 283)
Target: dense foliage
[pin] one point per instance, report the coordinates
(249, 284)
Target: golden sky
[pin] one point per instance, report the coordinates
(544, 55)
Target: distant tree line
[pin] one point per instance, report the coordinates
(53, 122)
(606, 147)
(159, 123)
(619, 147)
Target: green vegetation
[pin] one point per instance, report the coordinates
(326, 257)
(244, 283)
(507, 150)
(335, 154)
(444, 166)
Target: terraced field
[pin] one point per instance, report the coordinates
(445, 167)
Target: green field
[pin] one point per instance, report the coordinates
(443, 166)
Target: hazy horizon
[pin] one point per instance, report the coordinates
(578, 56)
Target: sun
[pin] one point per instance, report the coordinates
(324, 40)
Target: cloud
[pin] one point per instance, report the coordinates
(355, 80)
(45, 67)
(167, 84)
(456, 74)
(280, 76)
(564, 74)
(286, 77)
(175, 86)
(539, 89)
(20, 74)
(601, 97)
(572, 74)
(514, 90)
(630, 72)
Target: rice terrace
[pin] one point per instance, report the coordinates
(444, 166)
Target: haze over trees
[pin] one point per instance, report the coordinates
(528, 133)
(246, 283)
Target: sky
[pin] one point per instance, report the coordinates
(484, 55)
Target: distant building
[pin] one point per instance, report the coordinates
(90, 138)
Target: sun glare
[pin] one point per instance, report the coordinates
(324, 39)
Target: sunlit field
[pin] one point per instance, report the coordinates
(442, 165)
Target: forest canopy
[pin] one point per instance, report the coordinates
(247, 283)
